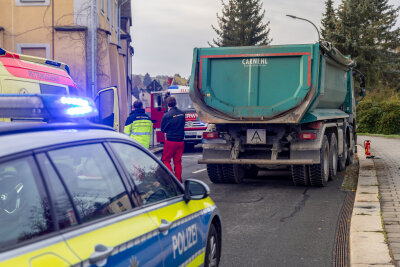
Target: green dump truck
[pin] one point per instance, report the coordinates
(275, 106)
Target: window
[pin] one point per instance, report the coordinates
(32, 2)
(52, 89)
(111, 13)
(62, 206)
(24, 212)
(92, 181)
(33, 49)
(153, 182)
(109, 9)
(116, 16)
(102, 6)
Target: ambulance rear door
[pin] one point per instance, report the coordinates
(108, 106)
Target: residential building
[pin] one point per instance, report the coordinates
(91, 36)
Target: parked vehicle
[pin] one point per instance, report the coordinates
(24, 74)
(81, 194)
(286, 105)
(194, 128)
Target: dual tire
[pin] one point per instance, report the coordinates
(225, 173)
(319, 173)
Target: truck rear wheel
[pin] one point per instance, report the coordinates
(333, 156)
(300, 175)
(233, 173)
(319, 173)
(215, 174)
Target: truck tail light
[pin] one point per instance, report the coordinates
(307, 136)
(316, 125)
(210, 135)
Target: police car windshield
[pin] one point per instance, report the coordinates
(183, 101)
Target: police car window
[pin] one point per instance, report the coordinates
(152, 181)
(62, 206)
(24, 214)
(92, 181)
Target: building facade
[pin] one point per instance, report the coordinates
(91, 36)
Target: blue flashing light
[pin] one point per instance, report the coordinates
(67, 69)
(53, 63)
(47, 107)
(77, 106)
(2, 51)
(173, 87)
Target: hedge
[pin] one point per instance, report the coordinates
(378, 117)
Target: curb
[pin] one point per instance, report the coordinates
(367, 240)
(156, 150)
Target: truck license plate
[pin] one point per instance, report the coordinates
(256, 136)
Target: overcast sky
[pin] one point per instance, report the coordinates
(164, 32)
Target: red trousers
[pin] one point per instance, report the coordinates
(173, 150)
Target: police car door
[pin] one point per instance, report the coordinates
(181, 233)
(102, 226)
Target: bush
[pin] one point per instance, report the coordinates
(390, 119)
(379, 117)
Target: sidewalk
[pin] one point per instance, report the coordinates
(375, 239)
(367, 239)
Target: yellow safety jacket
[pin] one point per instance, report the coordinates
(139, 126)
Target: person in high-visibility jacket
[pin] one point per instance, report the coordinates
(139, 125)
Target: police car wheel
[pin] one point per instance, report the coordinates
(213, 250)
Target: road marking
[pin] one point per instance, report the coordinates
(192, 156)
(202, 170)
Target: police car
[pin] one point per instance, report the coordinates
(81, 194)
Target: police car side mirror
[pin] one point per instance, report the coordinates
(196, 190)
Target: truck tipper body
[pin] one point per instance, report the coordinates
(268, 106)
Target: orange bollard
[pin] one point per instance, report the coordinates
(367, 147)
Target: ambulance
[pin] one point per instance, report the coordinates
(23, 74)
(194, 128)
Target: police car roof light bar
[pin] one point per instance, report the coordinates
(47, 107)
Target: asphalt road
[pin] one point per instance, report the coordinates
(267, 221)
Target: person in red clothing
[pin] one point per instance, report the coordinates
(173, 125)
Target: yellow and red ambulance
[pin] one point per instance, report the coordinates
(23, 74)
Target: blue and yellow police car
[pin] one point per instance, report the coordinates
(81, 194)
